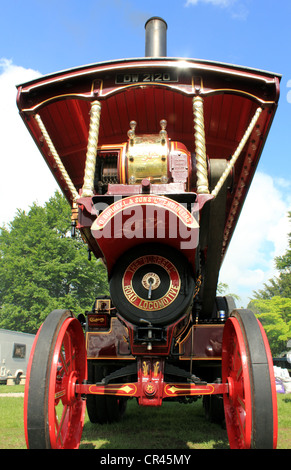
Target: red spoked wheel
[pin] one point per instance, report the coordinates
(251, 404)
(53, 412)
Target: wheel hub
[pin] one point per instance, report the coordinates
(69, 387)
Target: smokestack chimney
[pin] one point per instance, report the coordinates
(156, 37)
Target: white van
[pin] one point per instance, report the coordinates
(15, 349)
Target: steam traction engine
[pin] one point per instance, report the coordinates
(155, 156)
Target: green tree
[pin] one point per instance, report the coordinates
(275, 316)
(223, 289)
(272, 304)
(281, 285)
(283, 264)
(42, 268)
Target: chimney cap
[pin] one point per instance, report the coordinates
(155, 18)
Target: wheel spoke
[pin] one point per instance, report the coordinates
(242, 403)
(60, 426)
(241, 424)
(57, 427)
(63, 362)
(239, 373)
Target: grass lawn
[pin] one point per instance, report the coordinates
(172, 426)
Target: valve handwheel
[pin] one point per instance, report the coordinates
(251, 404)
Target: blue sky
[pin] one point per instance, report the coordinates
(39, 37)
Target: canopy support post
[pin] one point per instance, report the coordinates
(200, 146)
(57, 160)
(88, 185)
(237, 153)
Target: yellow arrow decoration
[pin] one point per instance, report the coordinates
(191, 389)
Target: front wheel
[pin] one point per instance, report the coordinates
(251, 404)
(53, 413)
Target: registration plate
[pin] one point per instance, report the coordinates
(146, 77)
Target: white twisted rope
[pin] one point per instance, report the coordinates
(88, 185)
(236, 154)
(56, 158)
(200, 147)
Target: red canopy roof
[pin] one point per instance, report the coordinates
(147, 90)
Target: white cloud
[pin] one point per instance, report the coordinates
(236, 7)
(260, 235)
(25, 177)
(221, 3)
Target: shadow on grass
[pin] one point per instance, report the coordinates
(172, 426)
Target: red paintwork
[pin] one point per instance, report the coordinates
(248, 376)
(110, 343)
(176, 231)
(68, 367)
(150, 380)
(162, 349)
(231, 95)
(202, 342)
(146, 91)
(167, 390)
(115, 341)
(150, 389)
(150, 219)
(238, 403)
